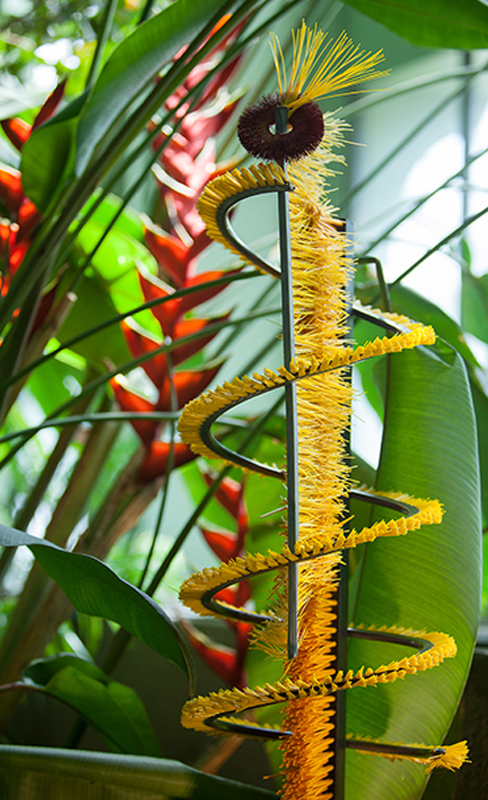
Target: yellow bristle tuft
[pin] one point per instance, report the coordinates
(322, 67)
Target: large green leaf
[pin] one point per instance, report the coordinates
(474, 304)
(54, 382)
(93, 306)
(428, 580)
(47, 161)
(48, 156)
(415, 306)
(481, 408)
(62, 147)
(438, 23)
(51, 774)
(94, 589)
(128, 220)
(115, 266)
(113, 709)
(133, 64)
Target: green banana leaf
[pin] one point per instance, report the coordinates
(48, 160)
(114, 710)
(427, 580)
(63, 146)
(438, 23)
(134, 63)
(50, 774)
(474, 315)
(415, 306)
(474, 304)
(95, 589)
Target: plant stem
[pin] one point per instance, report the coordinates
(119, 317)
(281, 121)
(102, 39)
(122, 638)
(452, 235)
(167, 475)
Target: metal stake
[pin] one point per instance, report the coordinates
(281, 121)
(343, 595)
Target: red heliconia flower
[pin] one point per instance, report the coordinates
(230, 495)
(226, 662)
(12, 252)
(188, 175)
(139, 344)
(187, 385)
(219, 81)
(236, 595)
(171, 312)
(19, 131)
(156, 459)
(128, 400)
(203, 68)
(225, 544)
(197, 128)
(28, 217)
(192, 326)
(186, 164)
(24, 216)
(177, 259)
(188, 160)
(184, 384)
(156, 368)
(11, 191)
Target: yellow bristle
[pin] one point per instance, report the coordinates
(320, 271)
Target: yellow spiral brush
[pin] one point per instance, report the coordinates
(288, 130)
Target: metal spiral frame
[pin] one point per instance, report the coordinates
(198, 592)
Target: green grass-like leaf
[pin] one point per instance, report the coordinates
(113, 709)
(134, 63)
(428, 580)
(51, 774)
(438, 23)
(94, 589)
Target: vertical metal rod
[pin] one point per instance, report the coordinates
(343, 598)
(465, 130)
(281, 121)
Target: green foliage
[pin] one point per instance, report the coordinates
(87, 261)
(95, 589)
(113, 709)
(54, 772)
(48, 161)
(438, 23)
(430, 579)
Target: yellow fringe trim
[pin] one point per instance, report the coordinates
(231, 185)
(215, 578)
(199, 710)
(320, 272)
(231, 393)
(451, 756)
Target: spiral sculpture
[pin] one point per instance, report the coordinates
(285, 130)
